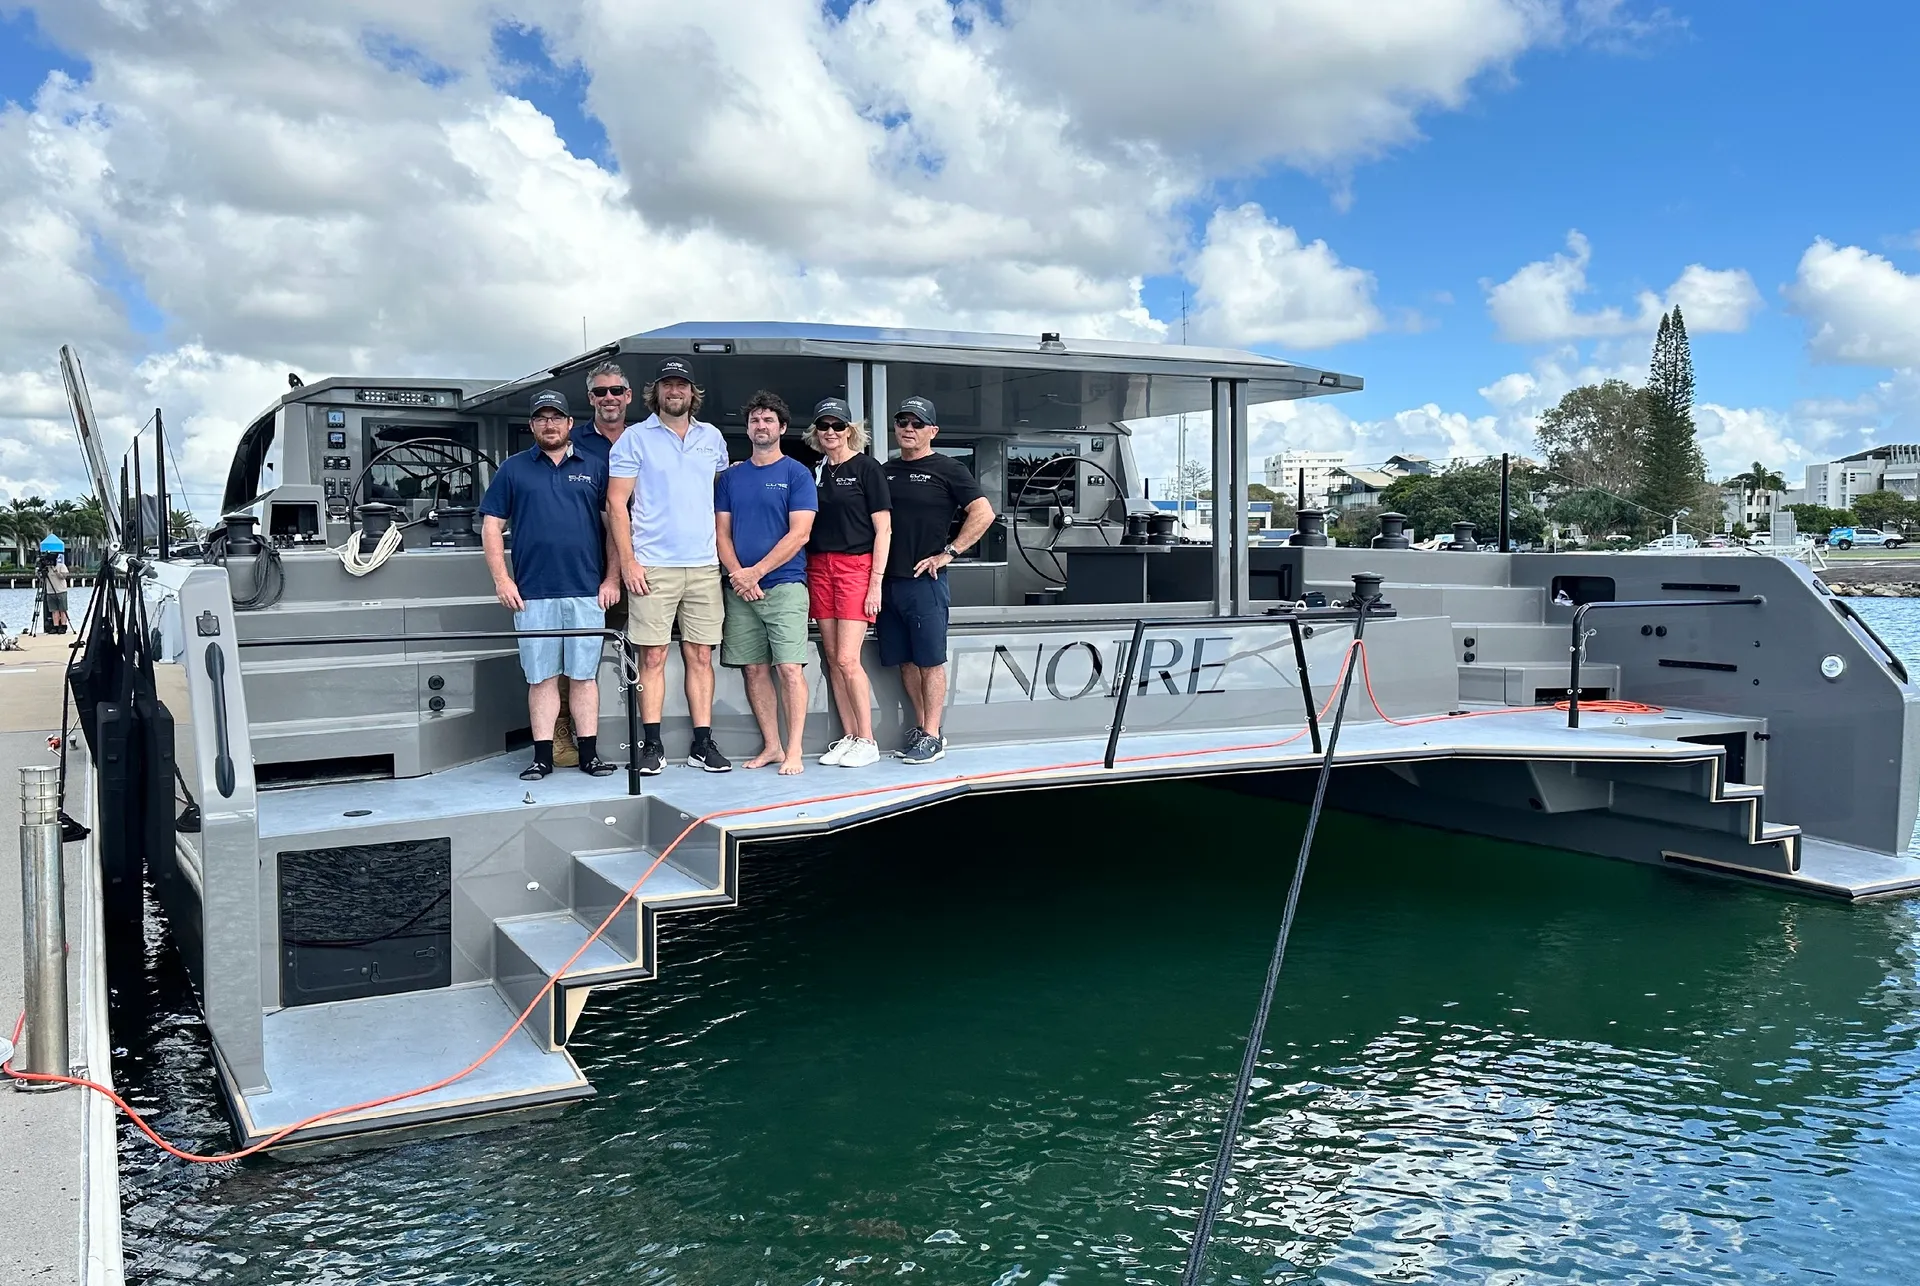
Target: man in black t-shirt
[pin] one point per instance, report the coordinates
(927, 490)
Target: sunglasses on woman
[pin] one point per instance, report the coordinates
(829, 426)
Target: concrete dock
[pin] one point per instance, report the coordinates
(58, 1164)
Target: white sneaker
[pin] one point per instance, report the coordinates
(859, 753)
(836, 753)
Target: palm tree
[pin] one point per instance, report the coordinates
(27, 521)
(1757, 478)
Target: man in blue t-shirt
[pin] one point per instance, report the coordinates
(564, 577)
(763, 513)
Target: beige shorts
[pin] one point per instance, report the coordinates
(690, 595)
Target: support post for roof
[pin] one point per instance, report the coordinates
(856, 396)
(1230, 594)
(881, 423)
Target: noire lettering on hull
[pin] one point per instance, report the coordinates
(1065, 667)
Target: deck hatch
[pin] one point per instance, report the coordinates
(365, 920)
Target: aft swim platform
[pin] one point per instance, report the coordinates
(383, 1045)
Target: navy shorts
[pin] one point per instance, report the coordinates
(913, 620)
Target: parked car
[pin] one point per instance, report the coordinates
(1864, 537)
(1678, 540)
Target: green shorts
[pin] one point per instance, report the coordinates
(768, 630)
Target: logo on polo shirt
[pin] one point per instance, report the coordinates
(579, 477)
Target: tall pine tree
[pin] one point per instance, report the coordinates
(1673, 474)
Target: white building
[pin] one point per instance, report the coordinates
(1283, 474)
(1754, 508)
(1838, 483)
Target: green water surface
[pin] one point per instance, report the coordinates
(991, 1042)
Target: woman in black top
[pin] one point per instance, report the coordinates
(851, 536)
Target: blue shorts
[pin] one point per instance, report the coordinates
(913, 620)
(578, 659)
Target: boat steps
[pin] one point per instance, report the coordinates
(530, 950)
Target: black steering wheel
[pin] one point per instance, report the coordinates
(455, 457)
(1061, 520)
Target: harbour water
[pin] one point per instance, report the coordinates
(991, 1044)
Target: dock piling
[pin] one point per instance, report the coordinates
(44, 928)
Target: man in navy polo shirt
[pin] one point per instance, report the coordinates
(564, 575)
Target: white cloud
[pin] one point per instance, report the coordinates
(1539, 304)
(1237, 83)
(1859, 308)
(1732, 438)
(345, 188)
(1714, 299)
(1256, 283)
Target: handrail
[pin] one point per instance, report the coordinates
(223, 779)
(1143, 624)
(1577, 646)
(1894, 663)
(629, 670)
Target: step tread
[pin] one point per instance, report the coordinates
(549, 939)
(667, 883)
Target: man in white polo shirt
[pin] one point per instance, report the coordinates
(660, 509)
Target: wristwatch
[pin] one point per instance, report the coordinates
(950, 551)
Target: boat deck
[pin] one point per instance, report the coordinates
(822, 799)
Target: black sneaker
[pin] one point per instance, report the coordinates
(596, 767)
(704, 754)
(909, 741)
(924, 751)
(536, 772)
(653, 757)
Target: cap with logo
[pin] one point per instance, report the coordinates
(675, 368)
(836, 407)
(558, 401)
(919, 406)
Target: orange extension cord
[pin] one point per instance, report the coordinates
(1599, 707)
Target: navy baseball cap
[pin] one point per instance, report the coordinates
(558, 401)
(833, 406)
(918, 406)
(675, 368)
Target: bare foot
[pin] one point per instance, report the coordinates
(767, 755)
(792, 767)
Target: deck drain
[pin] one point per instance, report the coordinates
(358, 812)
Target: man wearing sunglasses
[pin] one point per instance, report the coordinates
(563, 576)
(609, 396)
(927, 489)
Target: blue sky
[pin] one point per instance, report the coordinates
(1721, 137)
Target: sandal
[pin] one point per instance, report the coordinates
(536, 772)
(596, 767)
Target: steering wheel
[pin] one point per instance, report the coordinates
(1060, 519)
(458, 457)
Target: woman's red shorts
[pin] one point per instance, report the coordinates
(837, 586)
